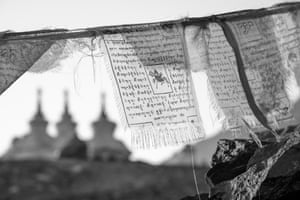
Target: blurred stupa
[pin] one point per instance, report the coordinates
(67, 144)
(37, 144)
(104, 146)
(66, 127)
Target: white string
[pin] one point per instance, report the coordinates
(194, 172)
(252, 134)
(75, 74)
(93, 57)
(101, 75)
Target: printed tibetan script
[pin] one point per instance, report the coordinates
(228, 99)
(154, 86)
(270, 51)
(228, 103)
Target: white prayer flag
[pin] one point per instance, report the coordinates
(153, 85)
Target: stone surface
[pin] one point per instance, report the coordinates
(231, 150)
(230, 160)
(241, 170)
(280, 188)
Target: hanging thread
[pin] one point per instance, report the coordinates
(194, 172)
(92, 47)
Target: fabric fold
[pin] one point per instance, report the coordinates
(153, 85)
(256, 83)
(269, 49)
(16, 57)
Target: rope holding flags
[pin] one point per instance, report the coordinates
(251, 59)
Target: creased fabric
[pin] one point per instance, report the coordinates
(50, 58)
(19, 56)
(16, 57)
(69, 48)
(196, 39)
(153, 85)
(228, 103)
(269, 47)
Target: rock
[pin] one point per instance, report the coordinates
(230, 150)
(288, 164)
(230, 160)
(280, 188)
(241, 169)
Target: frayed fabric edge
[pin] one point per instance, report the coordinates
(147, 137)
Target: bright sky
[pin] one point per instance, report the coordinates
(18, 103)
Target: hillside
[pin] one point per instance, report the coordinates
(70, 179)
